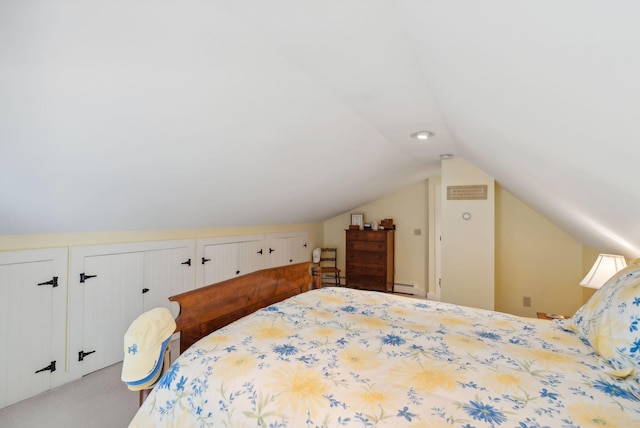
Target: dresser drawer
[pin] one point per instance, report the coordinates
(366, 257)
(367, 235)
(367, 246)
(369, 282)
(366, 269)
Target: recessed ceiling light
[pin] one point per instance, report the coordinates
(446, 156)
(422, 135)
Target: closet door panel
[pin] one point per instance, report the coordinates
(299, 251)
(32, 322)
(219, 262)
(287, 248)
(167, 273)
(112, 300)
(223, 258)
(250, 256)
(107, 292)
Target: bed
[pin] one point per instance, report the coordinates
(339, 357)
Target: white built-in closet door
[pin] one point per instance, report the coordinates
(111, 285)
(250, 256)
(228, 260)
(32, 322)
(167, 272)
(219, 262)
(112, 300)
(225, 258)
(287, 248)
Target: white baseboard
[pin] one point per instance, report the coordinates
(405, 288)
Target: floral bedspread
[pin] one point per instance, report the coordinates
(338, 357)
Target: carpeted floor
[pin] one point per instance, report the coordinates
(98, 400)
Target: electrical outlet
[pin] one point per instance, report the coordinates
(526, 301)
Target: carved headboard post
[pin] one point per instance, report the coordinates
(316, 272)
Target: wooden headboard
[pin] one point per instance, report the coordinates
(209, 308)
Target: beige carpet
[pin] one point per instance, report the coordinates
(98, 400)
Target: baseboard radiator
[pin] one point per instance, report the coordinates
(405, 288)
(329, 279)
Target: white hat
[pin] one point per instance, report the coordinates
(144, 345)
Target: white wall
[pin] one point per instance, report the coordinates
(467, 245)
(537, 259)
(22, 242)
(408, 209)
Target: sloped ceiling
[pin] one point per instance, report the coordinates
(138, 115)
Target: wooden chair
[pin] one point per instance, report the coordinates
(329, 266)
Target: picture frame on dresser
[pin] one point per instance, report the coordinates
(357, 220)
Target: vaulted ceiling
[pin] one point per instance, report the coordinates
(137, 115)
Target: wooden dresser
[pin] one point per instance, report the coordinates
(369, 259)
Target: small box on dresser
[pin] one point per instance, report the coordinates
(370, 259)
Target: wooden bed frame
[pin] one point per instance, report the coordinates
(209, 308)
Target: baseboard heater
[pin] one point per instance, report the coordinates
(405, 288)
(329, 280)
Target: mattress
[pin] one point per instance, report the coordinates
(338, 357)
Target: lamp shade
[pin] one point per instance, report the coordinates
(605, 267)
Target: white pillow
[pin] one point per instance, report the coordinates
(610, 321)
